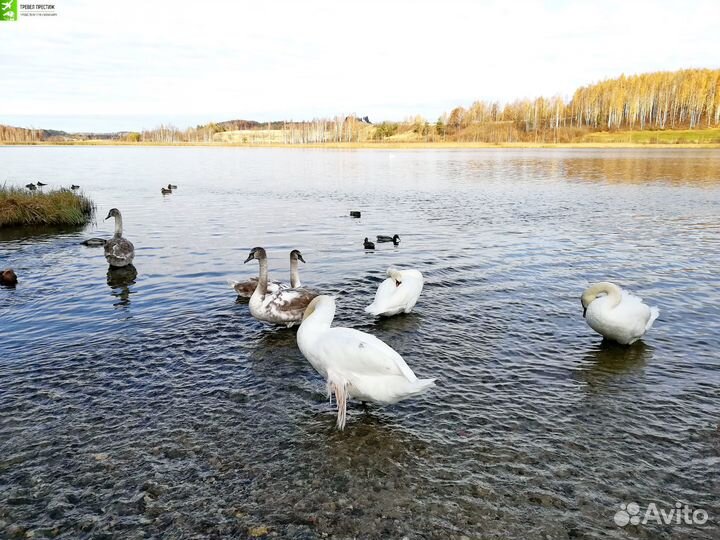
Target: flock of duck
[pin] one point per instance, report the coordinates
(33, 186)
(357, 364)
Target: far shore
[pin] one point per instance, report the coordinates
(381, 145)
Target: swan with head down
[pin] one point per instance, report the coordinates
(284, 306)
(355, 364)
(617, 314)
(119, 251)
(398, 293)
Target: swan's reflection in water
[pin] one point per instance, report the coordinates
(610, 361)
(119, 281)
(404, 322)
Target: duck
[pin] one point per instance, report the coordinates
(119, 251)
(246, 288)
(285, 306)
(31, 186)
(355, 213)
(172, 186)
(74, 187)
(165, 191)
(94, 242)
(354, 364)
(367, 244)
(398, 293)
(616, 314)
(395, 239)
(8, 277)
(41, 184)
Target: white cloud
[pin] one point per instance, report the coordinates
(193, 61)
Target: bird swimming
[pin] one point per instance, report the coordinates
(354, 364)
(395, 239)
(94, 242)
(398, 293)
(246, 288)
(8, 277)
(165, 191)
(119, 251)
(284, 306)
(172, 186)
(367, 244)
(617, 314)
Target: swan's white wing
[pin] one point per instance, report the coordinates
(627, 296)
(385, 290)
(409, 290)
(346, 349)
(633, 307)
(383, 301)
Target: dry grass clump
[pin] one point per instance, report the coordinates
(20, 207)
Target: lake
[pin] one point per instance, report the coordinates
(156, 406)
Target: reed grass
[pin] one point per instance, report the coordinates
(21, 207)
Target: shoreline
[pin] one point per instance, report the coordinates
(384, 145)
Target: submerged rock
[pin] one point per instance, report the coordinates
(257, 532)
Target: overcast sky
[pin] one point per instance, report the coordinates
(109, 65)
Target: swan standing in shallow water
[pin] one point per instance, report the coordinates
(246, 288)
(398, 293)
(119, 251)
(284, 306)
(355, 364)
(617, 314)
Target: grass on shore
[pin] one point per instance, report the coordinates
(670, 136)
(675, 138)
(20, 207)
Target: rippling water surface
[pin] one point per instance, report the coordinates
(155, 406)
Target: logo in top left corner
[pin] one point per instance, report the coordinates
(8, 10)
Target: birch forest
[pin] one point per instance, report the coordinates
(688, 99)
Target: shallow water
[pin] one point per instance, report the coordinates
(155, 406)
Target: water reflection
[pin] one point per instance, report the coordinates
(609, 361)
(630, 168)
(403, 323)
(273, 338)
(37, 232)
(119, 280)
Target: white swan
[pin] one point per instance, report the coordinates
(617, 314)
(284, 306)
(119, 251)
(354, 364)
(398, 293)
(246, 288)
